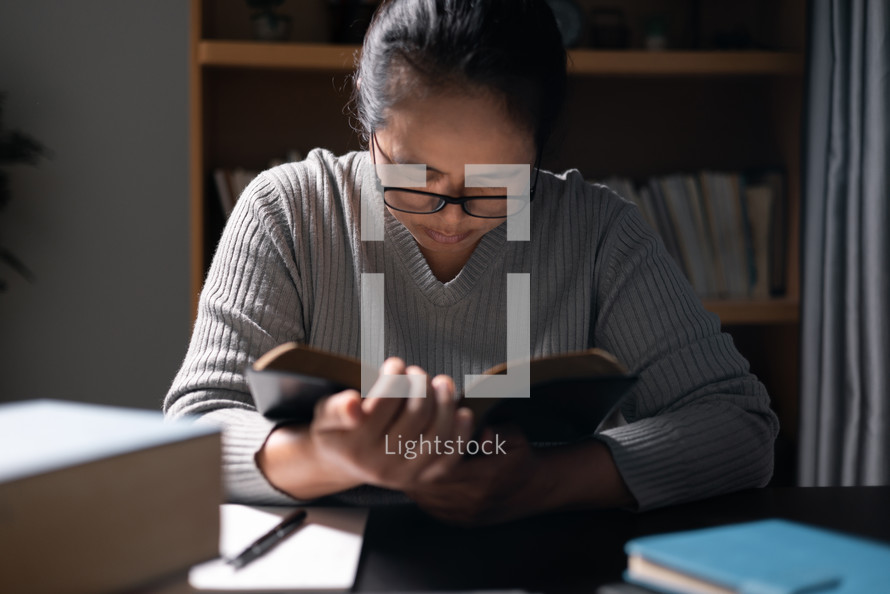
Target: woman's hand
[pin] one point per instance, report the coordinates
(358, 436)
(486, 488)
(352, 441)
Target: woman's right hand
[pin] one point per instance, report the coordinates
(345, 445)
(359, 437)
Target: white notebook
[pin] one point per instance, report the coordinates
(322, 554)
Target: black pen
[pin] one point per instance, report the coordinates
(269, 539)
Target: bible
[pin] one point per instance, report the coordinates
(570, 395)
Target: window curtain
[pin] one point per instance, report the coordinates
(845, 325)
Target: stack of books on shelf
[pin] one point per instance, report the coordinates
(230, 182)
(725, 230)
(99, 498)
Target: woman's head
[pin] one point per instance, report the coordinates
(507, 50)
(446, 83)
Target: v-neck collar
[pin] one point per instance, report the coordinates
(398, 238)
(489, 248)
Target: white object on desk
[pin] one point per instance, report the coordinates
(322, 554)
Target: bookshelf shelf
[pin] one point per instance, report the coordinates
(293, 56)
(738, 312)
(340, 58)
(679, 63)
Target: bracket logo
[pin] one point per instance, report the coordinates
(515, 382)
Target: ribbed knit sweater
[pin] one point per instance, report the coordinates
(288, 268)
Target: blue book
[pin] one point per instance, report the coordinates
(763, 557)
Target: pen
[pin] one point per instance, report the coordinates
(271, 538)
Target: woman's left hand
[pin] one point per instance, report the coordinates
(486, 488)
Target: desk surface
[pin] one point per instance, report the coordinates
(578, 551)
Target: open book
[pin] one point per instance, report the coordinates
(571, 394)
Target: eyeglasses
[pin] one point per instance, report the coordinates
(415, 201)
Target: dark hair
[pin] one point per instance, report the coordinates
(509, 47)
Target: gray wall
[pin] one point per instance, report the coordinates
(104, 222)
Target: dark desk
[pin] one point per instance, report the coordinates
(578, 551)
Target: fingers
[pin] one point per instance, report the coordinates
(430, 418)
(403, 404)
(443, 419)
(341, 411)
(383, 404)
(419, 412)
(461, 430)
(381, 388)
(402, 400)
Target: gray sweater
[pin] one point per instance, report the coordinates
(288, 268)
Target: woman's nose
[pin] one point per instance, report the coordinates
(452, 213)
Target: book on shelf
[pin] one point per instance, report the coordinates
(666, 228)
(230, 182)
(222, 178)
(571, 394)
(725, 230)
(742, 236)
(626, 189)
(728, 226)
(707, 235)
(772, 555)
(759, 198)
(99, 498)
(778, 236)
(693, 239)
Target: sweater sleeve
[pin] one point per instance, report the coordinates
(249, 304)
(699, 424)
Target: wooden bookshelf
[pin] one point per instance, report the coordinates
(292, 56)
(341, 58)
(653, 113)
(684, 63)
(739, 312)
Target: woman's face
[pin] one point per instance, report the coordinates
(446, 132)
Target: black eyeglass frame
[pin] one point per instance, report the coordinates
(445, 199)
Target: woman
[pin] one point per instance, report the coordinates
(448, 83)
